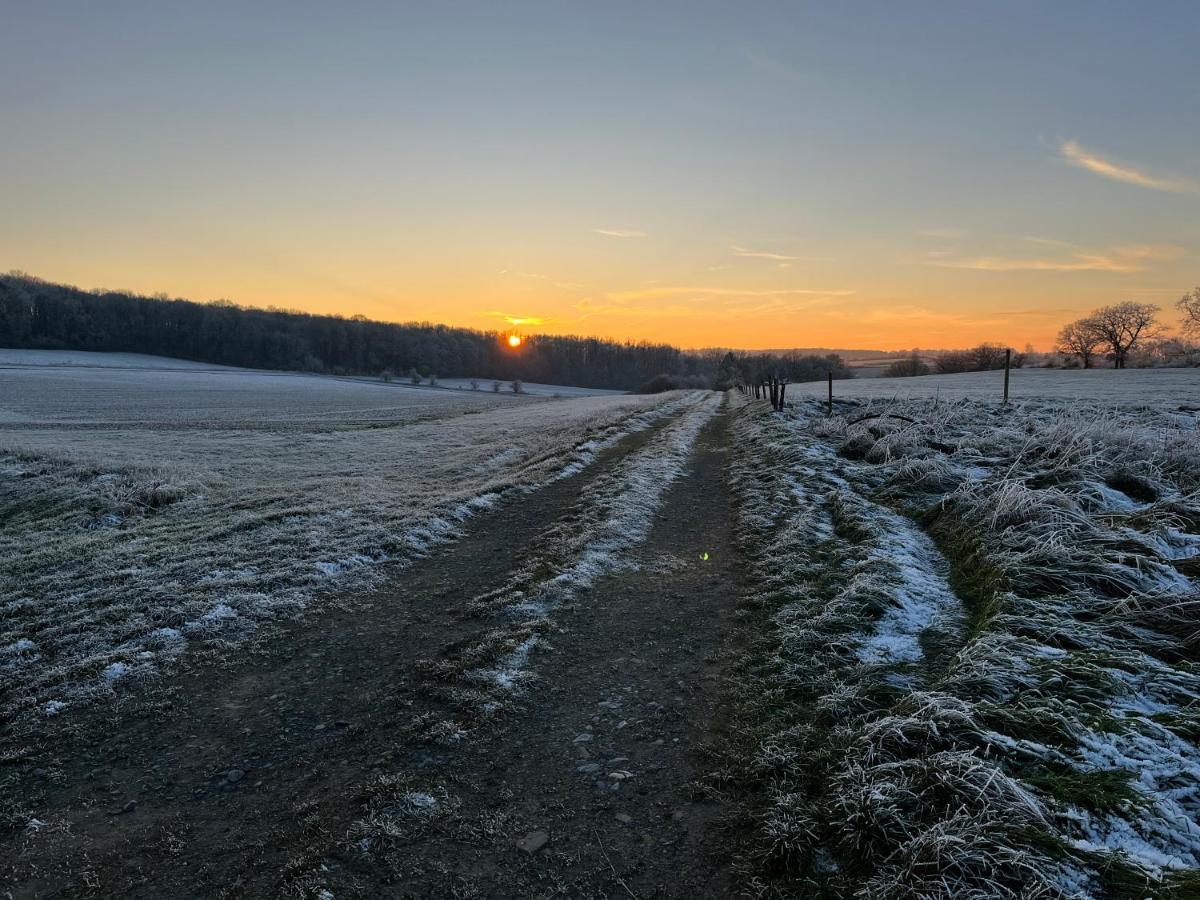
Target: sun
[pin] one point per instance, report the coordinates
(514, 340)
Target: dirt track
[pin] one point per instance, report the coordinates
(244, 777)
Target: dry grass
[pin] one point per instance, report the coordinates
(1046, 750)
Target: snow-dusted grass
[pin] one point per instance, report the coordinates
(124, 544)
(533, 388)
(1159, 387)
(89, 359)
(195, 399)
(978, 668)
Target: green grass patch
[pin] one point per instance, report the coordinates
(973, 576)
(1104, 790)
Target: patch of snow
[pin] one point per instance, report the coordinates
(508, 674)
(214, 619)
(1102, 498)
(419, 801)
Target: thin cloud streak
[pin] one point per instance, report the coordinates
(713, 303)
(660, 292)
(1120, 260)
(1078, 155)
(761, 254)
(517, 320)
(620, 232)
(532, 275)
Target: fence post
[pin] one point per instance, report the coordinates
(1007, 361)
(830, 378)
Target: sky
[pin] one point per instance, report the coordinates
(757, 175)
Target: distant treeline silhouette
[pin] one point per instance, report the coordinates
(38, 314)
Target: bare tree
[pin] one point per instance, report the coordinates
(1080, 338)
(907, 367)
(1122, 326)
(976, 359)
(1189, 308)
(986, 357)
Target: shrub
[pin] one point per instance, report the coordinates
(906, 368)
(658, 384)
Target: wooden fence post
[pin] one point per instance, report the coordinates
(1007, 361)
(830, 409)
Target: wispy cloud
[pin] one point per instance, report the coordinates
(769, 64)
(944, 233)
(761, 254)
(1078, 155)
(1121, 260)
(655, 292)
(691, 302)
(531, 275)
(908, 315)
(619, 232)
(516, 320)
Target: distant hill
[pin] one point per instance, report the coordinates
(851, 356)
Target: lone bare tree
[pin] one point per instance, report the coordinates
(1079, 339)
(1122, 326)
(907, 367)
(1189, 308)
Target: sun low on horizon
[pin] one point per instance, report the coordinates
(765, 176)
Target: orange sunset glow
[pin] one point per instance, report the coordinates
(758, 180)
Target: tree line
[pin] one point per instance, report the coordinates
(38, 314)
(982, 358)
(1117, 332)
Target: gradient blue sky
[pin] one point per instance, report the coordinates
(757, 175)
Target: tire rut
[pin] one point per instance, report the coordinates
(226, 777)
(590, 788)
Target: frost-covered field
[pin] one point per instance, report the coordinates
(147, 511)
(978, 673)
(12, 357)
(533, 388)
(1105, 386)
(194, 398)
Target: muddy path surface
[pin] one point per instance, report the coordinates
(294, 768)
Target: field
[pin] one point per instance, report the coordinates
(266, 634)
(1158, 387)
(148, 507)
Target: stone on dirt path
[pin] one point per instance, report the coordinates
(533, 842)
